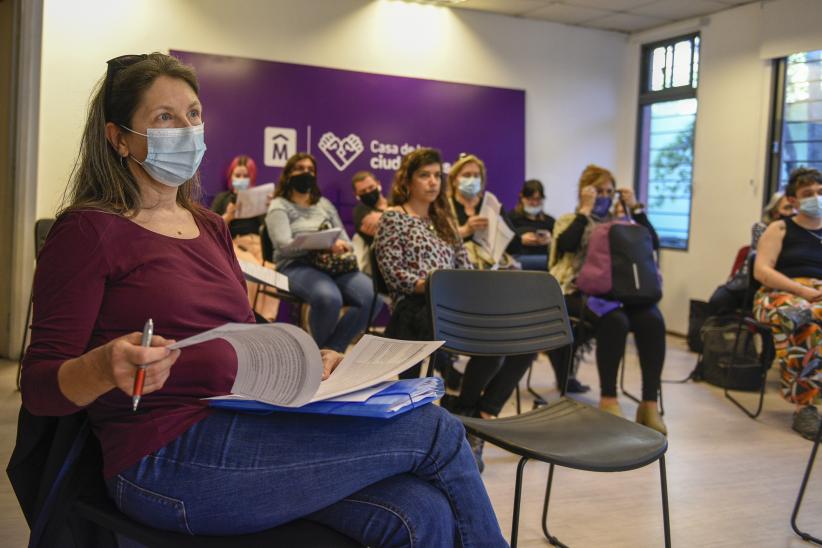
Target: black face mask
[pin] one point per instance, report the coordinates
(371, 198)
(302, 183)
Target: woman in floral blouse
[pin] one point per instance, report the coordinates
(415, 237)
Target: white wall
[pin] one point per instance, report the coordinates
(730, 139)
(571, 75)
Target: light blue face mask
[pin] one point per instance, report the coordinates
(241, 183)
(174, 153)
(811, 206)
(533, 210)
(470, 186)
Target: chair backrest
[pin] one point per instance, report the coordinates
(498, 313)
(41, 232)
(265, 241)
(380, 287)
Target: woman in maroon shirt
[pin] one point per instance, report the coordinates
(130, 244)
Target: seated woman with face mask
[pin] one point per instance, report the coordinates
(572, 233)
(326, 281)
(131, 243)
(789, 267)
(533, 226)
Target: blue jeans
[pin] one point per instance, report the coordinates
(407, 481)
(327, 294)
(533, 262)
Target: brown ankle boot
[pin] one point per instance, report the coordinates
(650, 417)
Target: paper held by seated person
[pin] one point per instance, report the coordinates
(253, 202)
(309, 241)
(498, 235)
(261, 274)
(280, 363)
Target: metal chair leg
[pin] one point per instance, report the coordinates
(807, 537)
(666, 518)
(538, 399)
(554, 541)
(632, 397)
(519, 402)
(751, 414)
(25, 338)
(517, 500)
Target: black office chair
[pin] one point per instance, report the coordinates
(807, 537)
(41, 232)
(509, 313)
(379, 285)
(749, 325)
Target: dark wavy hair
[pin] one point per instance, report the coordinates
(282, 185)
(439, 211)
(802, 176)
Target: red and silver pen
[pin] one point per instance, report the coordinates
(140, 377)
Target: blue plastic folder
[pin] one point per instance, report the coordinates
(395, 399)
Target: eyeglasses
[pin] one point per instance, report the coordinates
(114, 66)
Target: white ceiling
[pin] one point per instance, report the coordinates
(617, 15)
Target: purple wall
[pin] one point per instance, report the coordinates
(351, 121)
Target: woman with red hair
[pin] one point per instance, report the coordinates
(242, 175)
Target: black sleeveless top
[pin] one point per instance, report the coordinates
(801, 255)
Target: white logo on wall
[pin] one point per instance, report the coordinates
(341, 152)
(280, 145)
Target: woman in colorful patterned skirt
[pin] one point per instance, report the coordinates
(789, 266)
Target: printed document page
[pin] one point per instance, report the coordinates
(261, 274)
(498, 235)
(253, 202)
(321, 240)
(276, 363)
(372, 360)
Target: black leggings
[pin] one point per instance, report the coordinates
(610, 332)
(488, 380)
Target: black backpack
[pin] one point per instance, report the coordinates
(718, 363)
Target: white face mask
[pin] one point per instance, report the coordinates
(174, 153)
(811, 206)
(532, 210)
(470, 186)
(241, 183)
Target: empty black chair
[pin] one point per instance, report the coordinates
(807, 537)
(507, 313)
(749, 324)
(41, 232)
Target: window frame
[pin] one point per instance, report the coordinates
(776, 124)
(648, 97)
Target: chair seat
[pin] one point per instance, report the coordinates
(574, 435)
(296, 533)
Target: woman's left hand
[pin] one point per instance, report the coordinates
(627, 195)
(331, 360)
(340, 247)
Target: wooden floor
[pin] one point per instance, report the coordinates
(732, 481)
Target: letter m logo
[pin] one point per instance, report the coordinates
(280, 143)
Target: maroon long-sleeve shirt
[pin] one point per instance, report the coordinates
(100, 276)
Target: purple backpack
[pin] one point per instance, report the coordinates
(620, 264)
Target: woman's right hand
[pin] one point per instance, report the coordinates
(477, 222)
(121, 357)
(230, 212)
(587, 199)
(811, 294)
(530, 239)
